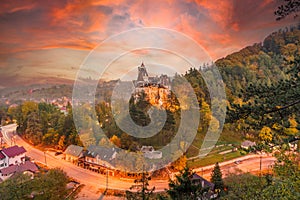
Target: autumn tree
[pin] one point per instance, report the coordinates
(180, 163)
(265, 134)
(115, 140)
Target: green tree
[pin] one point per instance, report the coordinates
(183, 187)
(143, 192)
(243, 187)
(216, 178)
(289, 7)
(50, 185)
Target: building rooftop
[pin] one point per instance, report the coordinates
(13, 151)
(203, 181)
(103, 153)
(2, 156)
(27, 166)
(74, 150)
(248, 143)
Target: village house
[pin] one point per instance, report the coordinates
(12, 160)
(1, 139)
(26, 168)
(2, 160)
(196, 179)
(150, 153)
(12, 156)
(247, 144)
(73, 153)
(102, 156)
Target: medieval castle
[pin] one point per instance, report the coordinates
(157, 89)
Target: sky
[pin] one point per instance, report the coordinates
(47, 41)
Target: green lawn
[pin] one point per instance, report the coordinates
(212, 158)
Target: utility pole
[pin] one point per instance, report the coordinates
(106, 179)
(45, 158)
(260, 163)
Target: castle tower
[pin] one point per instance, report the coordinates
(143, 77)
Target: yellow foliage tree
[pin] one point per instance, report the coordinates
(292, 130)
(114, 139)
(180, 163)
(265, 134)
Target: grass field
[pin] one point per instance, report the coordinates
(226, 137)
(212, 158)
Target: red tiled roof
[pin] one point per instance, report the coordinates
(1, 156)
(27, 166)
(13, 151)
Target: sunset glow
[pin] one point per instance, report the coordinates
(44, 42)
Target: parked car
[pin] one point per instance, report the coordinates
(237, 162)
(57, 153)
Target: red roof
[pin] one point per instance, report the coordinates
(27, 166)
(13, 151)
(1, 156)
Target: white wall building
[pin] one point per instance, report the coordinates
(14, 155)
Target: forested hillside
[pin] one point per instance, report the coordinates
(262, 62)
(249, 74)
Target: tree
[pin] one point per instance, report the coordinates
(282, 184)
(216, 178)
(61, 142)
(51, 185)
(290, 6)
(114, 139)
(265, 105)
(184, 187)
(143, 192)
(180, 163)
(265, 134)
(243, 187)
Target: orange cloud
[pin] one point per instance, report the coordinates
(220, 12)
(221, 27)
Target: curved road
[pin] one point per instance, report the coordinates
(94, 181)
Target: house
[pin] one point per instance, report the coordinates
(73, 153)
(2, 160)
(12, 156)
(102, 156)
(150, 153)
(196, 179)
(1, 139)
(247, 144)
(27, 168)
(204, 183)
(63, 110)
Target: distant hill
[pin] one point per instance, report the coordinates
(49, 92)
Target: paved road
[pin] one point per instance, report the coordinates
(94, 181)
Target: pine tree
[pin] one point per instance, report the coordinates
(184, 187)
(216, 178)
(143, 193)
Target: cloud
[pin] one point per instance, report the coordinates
(31, 28)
